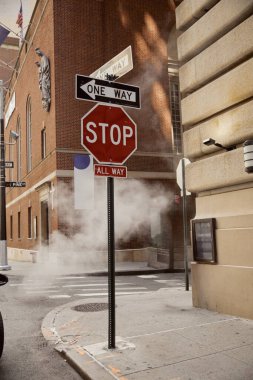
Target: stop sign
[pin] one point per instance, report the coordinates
(109, 134)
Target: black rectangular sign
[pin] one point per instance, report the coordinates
(98, 90)
(9, 164)
(203, 238)
(15, 184)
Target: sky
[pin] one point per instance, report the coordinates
(9, 10)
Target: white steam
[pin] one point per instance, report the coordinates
(87, 235)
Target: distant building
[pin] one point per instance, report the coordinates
(78, 37)
(216, 82)
(8, 55)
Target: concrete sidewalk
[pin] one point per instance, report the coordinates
(160, 336)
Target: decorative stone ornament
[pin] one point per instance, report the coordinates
(44, 79)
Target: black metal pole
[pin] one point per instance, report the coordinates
(185, 228)
(3, 246)
(111, 262)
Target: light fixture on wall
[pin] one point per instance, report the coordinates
(248, 155)
(14, 135)
(211, 141)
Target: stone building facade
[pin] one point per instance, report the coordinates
(78, 37)
(216, 81)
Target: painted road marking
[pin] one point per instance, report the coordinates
(106, 289)
(147, 276)
(60, 296)
(70, 277)
(97, 284)
(106, 294)
(41, 291)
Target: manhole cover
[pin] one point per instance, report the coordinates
(91, 307)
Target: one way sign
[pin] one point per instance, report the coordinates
(104, 91)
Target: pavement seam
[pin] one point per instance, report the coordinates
(181, 328)
(178, 362)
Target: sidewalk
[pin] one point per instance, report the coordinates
(160, 336)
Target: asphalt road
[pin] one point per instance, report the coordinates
(25, 301)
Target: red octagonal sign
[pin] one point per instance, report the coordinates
(109, 134)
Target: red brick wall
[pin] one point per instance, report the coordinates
(88, 34)
(26, 84)
(79, 37)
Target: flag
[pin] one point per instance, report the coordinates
(20, 17)
(83, 182)
(3, 34)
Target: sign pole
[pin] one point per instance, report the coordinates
(111, 262)
(185, 227)
(3, 246)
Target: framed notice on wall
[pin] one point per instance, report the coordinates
(203, 240)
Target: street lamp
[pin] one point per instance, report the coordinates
(3, 245)
(14, 135)
(210, 141)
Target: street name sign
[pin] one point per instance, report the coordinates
(15, 184)
(109, 134)
(98, 90)
(117, 66)
(9, 164)
(110, 171)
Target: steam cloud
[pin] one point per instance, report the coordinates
(87, 236)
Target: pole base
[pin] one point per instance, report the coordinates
(5, 267)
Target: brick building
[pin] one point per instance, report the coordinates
(79, 37)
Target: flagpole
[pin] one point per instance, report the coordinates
(16, 34)
(20, 22)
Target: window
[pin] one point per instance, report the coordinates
(29, 222)
(29, 134)
(175, 112)
(18, 142)
(19, 225)
(43, 143)
(35, 229)
(11, 227)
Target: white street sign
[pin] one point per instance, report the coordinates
(119, 65)
(105, 91)
(93, 89)
(179, 173)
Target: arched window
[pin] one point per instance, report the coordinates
(29, 134)
(18, 142)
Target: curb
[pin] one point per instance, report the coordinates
(135, 272)
(76, 356)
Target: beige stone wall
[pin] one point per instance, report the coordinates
(216, 83)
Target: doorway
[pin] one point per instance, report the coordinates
(44, 222)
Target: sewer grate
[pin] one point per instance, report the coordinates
(91, 307)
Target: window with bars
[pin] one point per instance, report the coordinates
(29, 222)
(29, 134)
(11, 227)
(19, 225)
(43, 143)
(175, 112)
(18, 129)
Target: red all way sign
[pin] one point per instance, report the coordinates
(110, 171)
